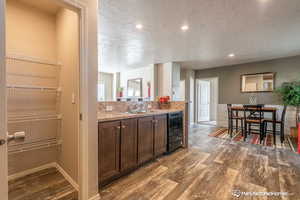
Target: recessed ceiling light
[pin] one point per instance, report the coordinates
(231, 55)
(185, 27)
(139, 26)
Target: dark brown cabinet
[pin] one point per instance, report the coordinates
(125, 144)
(129, 138)
(145, 139)
(109, 150)
(160, 134)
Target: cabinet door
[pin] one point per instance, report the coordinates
(145, 139)
(128, 144)
(109, 150)
(160, 134)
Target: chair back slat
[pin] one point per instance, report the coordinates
(253, 109)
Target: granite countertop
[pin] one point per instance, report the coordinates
(110, 116)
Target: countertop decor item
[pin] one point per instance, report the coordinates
(164, 102)
(290, 94)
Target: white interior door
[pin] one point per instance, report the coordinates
(203, 100)
(3, 143)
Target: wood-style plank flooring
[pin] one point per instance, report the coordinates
(210, 170)
(46, 184)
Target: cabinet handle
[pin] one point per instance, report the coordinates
(124, 126)
(154, 121)
(118, 127)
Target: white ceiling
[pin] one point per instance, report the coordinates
(251, 29)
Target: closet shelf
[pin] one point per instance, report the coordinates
(31, 60)
(32, 118)
(20, 148)
(33, 87)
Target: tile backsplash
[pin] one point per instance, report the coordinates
(123, 106)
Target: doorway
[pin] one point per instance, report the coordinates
(207, 100)
(42, 89)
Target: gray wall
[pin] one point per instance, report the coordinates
(287, 69)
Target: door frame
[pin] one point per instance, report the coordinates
(3, 107)
(83, 154)
(197, 92)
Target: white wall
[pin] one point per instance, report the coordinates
(68, 41)
(176, 89)
(181, 93)
(168, 78)
(164, 72)
(146, 73)
(93, 186)
(188, 76)
(90, 157)
(109, 83)
(213, 99)
(191, 97)
(28, 41)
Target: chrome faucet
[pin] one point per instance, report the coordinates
(138, 107)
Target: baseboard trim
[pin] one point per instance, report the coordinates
(46, 166)
(67, 176)
(96, 197)
(31, 171)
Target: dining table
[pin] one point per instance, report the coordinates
(272, 110)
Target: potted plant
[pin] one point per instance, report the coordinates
(290, 94)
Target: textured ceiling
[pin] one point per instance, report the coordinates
(251, 29)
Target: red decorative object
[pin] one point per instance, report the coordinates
(299, 138)
(164, 102)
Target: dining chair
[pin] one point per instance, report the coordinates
(234, 117)
(253, 116)
(254, 113)
(281, 122)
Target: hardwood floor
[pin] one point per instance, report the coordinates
(46, 184)
(210, 170)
